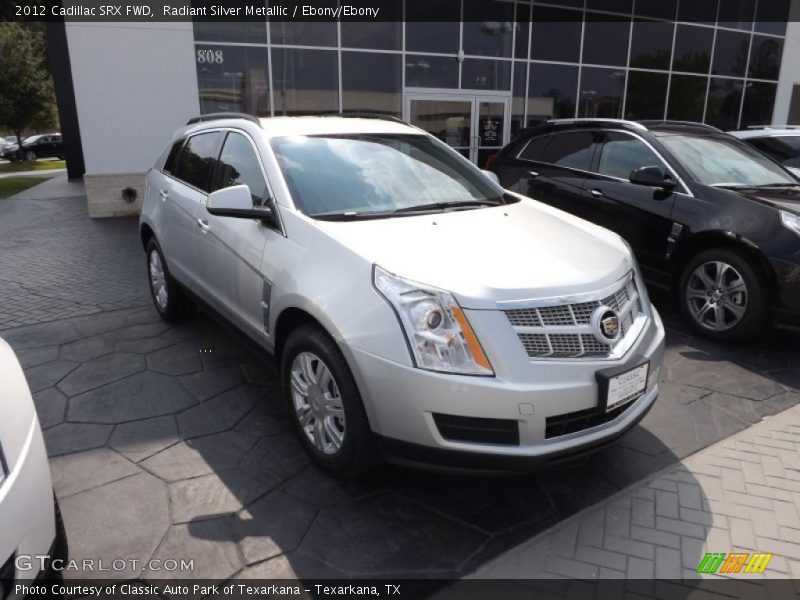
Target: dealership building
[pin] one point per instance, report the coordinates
(473, 81)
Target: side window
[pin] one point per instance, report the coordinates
(572, 149)
(169, 164)
(239, 164)
(196, 160)
(535, 148)
(622, 153)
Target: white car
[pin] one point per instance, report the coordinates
(31, 531)
(414, 307)
(780, 143)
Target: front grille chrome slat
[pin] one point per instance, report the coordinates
(564, 331)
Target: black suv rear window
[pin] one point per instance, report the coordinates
(572, 149)
(196, 160)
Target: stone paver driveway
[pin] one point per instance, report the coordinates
(171, 441)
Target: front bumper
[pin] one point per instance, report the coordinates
(402, 402)
(27, 516)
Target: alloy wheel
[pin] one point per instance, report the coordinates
(158, 280)
(317, 402)
(717, 296)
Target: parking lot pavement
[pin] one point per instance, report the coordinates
(738, 495)
(171, 441)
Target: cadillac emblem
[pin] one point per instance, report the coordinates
(606, 325)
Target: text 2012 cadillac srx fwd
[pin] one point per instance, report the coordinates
(415, 308)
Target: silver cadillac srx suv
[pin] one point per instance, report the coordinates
(416, 309)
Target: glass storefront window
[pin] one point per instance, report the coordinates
(522, 30)
(232, 79)
(371, 82)
(651, 44)
(687, 95)
(619, 6)
(647, 93)
(556, 34)
(771, 16)
(490, 37)
(730, 53)
(697, 11)
(724, 101)
(737, 14)
(380, 35)
(765, 57)
(601, 93)
(605, 40)
(551, 92)
(518, 97)
(662, 9)
(305, 81)
(693, 49)
(759, 102)
(431, 71)
(299, 33)
(426, 32)
(223, 31)
(480, 74)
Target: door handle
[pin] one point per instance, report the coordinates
(203, 225)
(532, 174)
(164, 195)
(597, 193)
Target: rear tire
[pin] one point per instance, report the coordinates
(169, 299)
(325, 405)
(724, 296)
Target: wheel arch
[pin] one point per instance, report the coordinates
(146, 233)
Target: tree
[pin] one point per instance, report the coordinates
(27, 100)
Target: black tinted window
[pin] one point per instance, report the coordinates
(169, 165)
(622, 154)
(572, 149)
(534, 150)
(196, 160)
(238, 165)
(784, 149)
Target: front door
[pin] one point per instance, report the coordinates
(475, 125)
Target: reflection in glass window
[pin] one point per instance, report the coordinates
(759, 102)
(239, 165)
(622, 153)
(651, 45)
(381, 35)
(305, 81)
(697, 11)
(724, 101)
(647, 93)
(662, 9)
(196, 160)
(687, 95)
(233, 79)
(371, 82)
(479, 74)
(601, 93)
(620, 6)
(522, 32)
(572, 149)
(225, 31)
(551, 92)
(737, 14)
(730, 53)
(426, 27)
(556, 34)
(605, 40)
(765, 57)
(693, 49)
(431, 71)
(518, 97)
(771, 16)
(448, 120)
(535, 148)
(492, 35)
(303, 33)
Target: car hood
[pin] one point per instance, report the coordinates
(777, 197)
(513, 252)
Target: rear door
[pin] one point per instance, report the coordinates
(640, 214)
(182, 195)
(232, 248)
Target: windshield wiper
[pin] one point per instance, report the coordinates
(443, 206)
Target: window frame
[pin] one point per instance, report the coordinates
(180, 152)
(551, 134)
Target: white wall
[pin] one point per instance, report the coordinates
(135, 83)
(790, 67)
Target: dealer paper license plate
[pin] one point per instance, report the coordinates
(628, 386)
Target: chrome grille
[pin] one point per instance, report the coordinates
(565, 330)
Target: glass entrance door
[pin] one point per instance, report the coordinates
(476, 126)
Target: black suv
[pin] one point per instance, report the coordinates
(706, 215)
(48, 145)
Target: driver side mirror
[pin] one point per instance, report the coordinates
(237, 202)
(651, 177)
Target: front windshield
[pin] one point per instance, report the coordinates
(376, 173)
(724, 162)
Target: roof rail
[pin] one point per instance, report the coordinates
(773, 126)
(655, 122)
(366, 115)
(223, 115)
(596, 120)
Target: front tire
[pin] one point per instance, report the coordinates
(723, 295)
(325, 405)
(168, 297)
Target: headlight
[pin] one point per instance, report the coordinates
(791, 221)
(437, 330)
